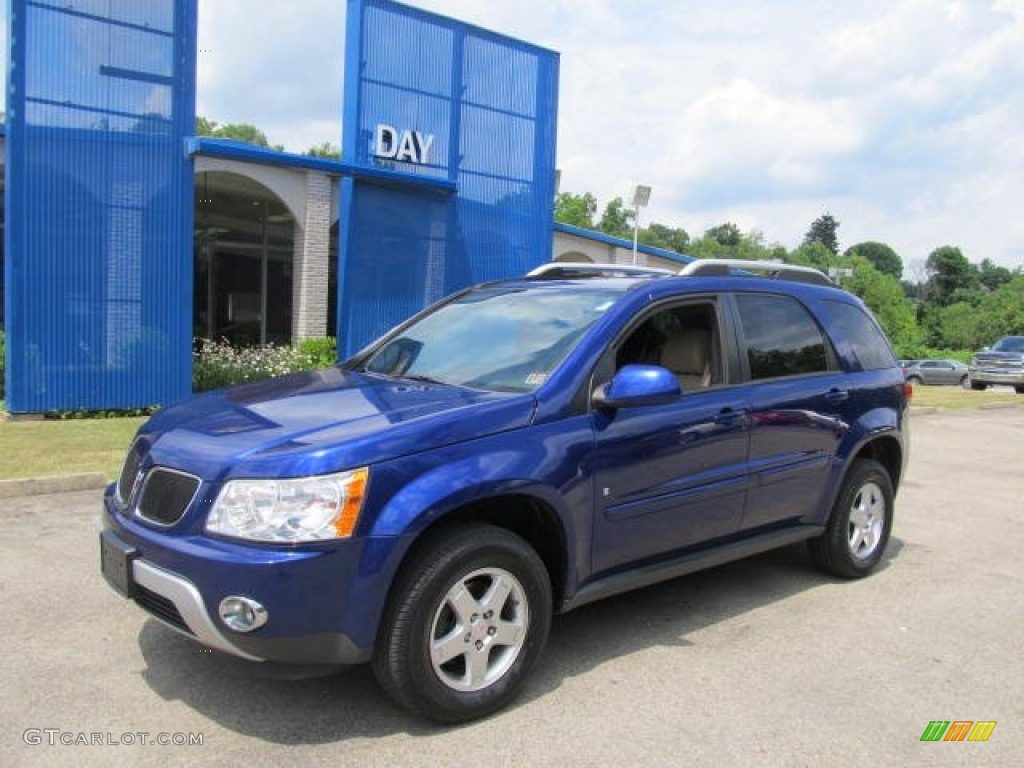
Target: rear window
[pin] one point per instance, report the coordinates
(864, 336)
(782, 338)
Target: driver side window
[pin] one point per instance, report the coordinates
(683, 339)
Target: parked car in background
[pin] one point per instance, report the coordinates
(937, 372)
(1002, 363)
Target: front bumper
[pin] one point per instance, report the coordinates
(324, 601)
(989, 376)
(177, 603)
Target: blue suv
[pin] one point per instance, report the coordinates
(520, 449)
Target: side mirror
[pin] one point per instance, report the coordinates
(638, 385)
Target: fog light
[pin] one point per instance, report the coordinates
(242, 614)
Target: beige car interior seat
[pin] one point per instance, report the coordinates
(688, 355)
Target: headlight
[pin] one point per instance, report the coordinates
(291, 510)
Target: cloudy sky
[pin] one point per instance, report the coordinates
(904, 119)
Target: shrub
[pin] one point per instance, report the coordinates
(321, 351)
(218, 364)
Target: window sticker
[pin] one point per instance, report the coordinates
(536, 379)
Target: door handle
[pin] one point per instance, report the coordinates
(732, 417)
(837, 396)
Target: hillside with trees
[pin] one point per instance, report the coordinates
(959, 306)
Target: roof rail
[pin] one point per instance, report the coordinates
(772, 269)
(557, 270)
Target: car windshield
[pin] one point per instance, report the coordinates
(499, 337)
(1010, 344)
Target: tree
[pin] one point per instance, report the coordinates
(243, 132)
(727, 234)
(823, 230)
(205, 126)
(576, 210)
(950, 276)
(661, 236)
(617, 219)
(884, 296)
(991, 275)
(326, 150)
(727, 242)
(815, 254)
(885, 259)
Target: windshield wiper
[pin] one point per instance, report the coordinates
(421, 378)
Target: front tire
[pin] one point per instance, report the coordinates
(977, 386)
(858, 528)
(469, 617)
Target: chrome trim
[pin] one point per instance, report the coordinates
(121, 503)
(566, 269)
(189, 602)
(774, 269)
(141, 494)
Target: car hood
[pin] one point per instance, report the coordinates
(322, 421)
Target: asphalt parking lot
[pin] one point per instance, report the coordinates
(764, 662)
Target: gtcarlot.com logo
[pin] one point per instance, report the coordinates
(56, 737)
(958, 730)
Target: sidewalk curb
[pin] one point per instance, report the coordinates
(35, 486)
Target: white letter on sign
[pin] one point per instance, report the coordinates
(424, 141)
(407, 148)
(387, 141)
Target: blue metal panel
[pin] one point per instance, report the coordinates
(99, 203)
(490, 104)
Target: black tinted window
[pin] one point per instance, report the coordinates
(867, 340)
(782, 337)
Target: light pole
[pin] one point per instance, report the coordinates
(640, 196)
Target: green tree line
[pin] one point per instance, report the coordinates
(959, 307)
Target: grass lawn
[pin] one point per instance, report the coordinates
(39, 448)
(958, 397)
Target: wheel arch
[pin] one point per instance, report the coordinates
(525, 514)
(882, 444)
(887, 451)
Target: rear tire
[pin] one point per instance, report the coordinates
(977, 386)
(467, 620)
(858, 528)
(1019, 389)
(914, 380)
(965, 381)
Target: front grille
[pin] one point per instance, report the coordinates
(161, 607)
(165, 495)
(129, 475)
(993, 362)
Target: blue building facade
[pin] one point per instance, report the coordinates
(481, 115)
(447, 178)
(98, 204)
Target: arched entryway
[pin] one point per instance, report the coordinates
(244, 249)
